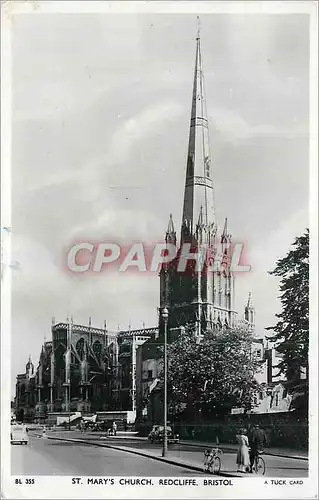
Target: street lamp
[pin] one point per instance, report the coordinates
(165, 318)
(69, 403)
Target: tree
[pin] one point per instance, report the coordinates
(291, 333)
(214, 375)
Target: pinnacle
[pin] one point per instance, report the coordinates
(225, 230)
(200, 217)
(249, 302)
(225, 235)
(170, 227)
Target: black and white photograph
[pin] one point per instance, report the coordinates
(158, 250)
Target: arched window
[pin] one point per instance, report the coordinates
(97, 349)
(59, 357)
(80, 347)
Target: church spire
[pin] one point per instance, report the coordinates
(198, 185)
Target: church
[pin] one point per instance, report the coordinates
(88, 369)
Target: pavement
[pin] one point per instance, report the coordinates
(277, 452)
(185, 455)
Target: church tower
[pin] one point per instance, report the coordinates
(198, 296)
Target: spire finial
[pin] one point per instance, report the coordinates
(198, 28)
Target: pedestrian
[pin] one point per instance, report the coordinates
(114, 427)
(243, 451)
(257, 441)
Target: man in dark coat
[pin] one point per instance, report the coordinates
(257, 441)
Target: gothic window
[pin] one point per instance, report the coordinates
(97, 349)
(80, 347)
(59, 357)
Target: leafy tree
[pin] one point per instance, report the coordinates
(291, 333)
(213, 375)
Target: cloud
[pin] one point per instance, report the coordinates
(140, 127)
(263, 257)
(234, 128)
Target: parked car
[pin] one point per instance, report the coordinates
(19, 434)
(157, 435)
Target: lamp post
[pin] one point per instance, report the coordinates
(165, 318)
(69, 394)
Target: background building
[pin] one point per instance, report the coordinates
(25, 399)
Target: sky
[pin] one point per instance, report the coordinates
(100, 116)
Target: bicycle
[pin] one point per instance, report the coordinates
(212, 460)
(259, 466)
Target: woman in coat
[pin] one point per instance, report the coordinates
(243, 451)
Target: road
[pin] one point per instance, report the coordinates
(49, 457)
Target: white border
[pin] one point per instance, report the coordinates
(61, 487)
